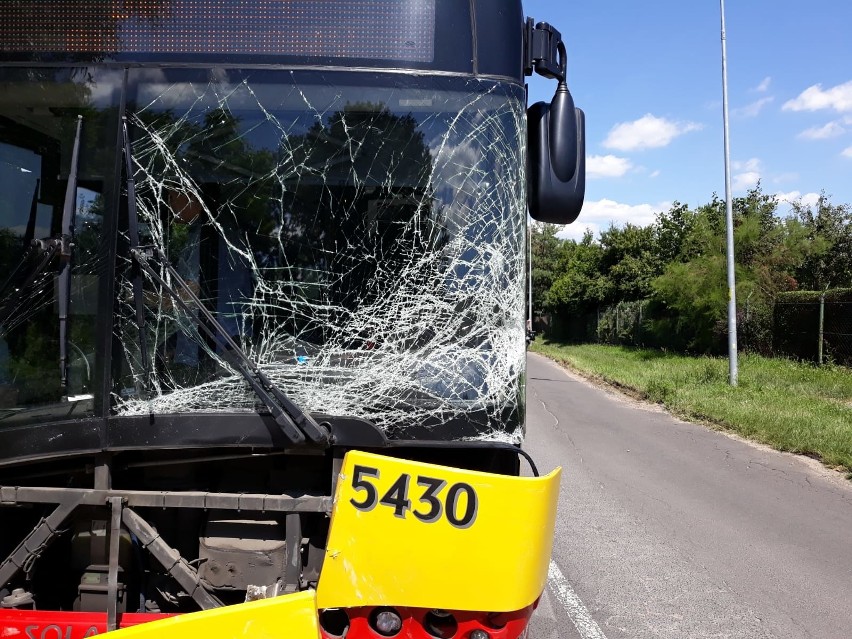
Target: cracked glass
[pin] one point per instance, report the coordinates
(361, 237)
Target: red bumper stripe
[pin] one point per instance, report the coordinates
(50, 624)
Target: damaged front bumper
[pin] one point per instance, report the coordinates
(415, 550)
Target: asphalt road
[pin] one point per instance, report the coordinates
(668, 529)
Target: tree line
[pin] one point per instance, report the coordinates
(678, 264)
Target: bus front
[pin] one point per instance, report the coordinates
(262, 319)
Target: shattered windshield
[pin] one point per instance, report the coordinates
(361, 241)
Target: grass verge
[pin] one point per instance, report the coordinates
(787, 405)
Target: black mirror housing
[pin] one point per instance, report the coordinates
(556, 177)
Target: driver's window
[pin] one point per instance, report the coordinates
(37, 133)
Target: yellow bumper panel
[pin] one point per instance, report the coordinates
(286, 617)
(411, 534)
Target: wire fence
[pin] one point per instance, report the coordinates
(818, 329)
(622, 323)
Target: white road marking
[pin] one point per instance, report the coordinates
(577, 612)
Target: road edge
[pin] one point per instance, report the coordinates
(632, 397)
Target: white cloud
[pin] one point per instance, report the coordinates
(815, 98)
(830, 130)
(648, 132)
(808, 199)
(601, 214)
(752, 164)
(763, 87)
(655, 174)
(782, 178)
(744, 181)
(753, 110)
(603, 166)
(847, 153)
(748, 176)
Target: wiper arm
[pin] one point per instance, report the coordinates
(65, 250)
(48, 248)
(133, 232)
(294, 422)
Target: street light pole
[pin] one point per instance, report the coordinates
(729, 217)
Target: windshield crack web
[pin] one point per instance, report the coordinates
(367, 253)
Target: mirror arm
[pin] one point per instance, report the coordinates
(544, 51)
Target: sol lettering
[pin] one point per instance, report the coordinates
(57, 632)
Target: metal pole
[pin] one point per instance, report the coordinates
(112, 574)
(821, 325)
(617, 323)
(729, 217)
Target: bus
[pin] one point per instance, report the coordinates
(262, 338)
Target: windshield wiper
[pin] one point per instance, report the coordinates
(294, 422)
(47, 249)
(65, 242)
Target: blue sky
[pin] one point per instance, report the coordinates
(648, 75)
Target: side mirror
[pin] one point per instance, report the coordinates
(556, 177)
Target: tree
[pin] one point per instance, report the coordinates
(694, 286)
(827, 229)
(545, 247)
(672, 229)
(580, 284)
(679, 263)
(630, 261)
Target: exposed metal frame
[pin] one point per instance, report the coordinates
(120, 502)
(116, 505)
(12, 495)
(34, 543)
(170, 559)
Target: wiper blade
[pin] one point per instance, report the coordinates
(294, 422)
(65, 250)
(48, 248)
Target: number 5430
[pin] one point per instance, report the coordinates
(431, 507)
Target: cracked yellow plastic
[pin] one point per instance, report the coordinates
(384, 554)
